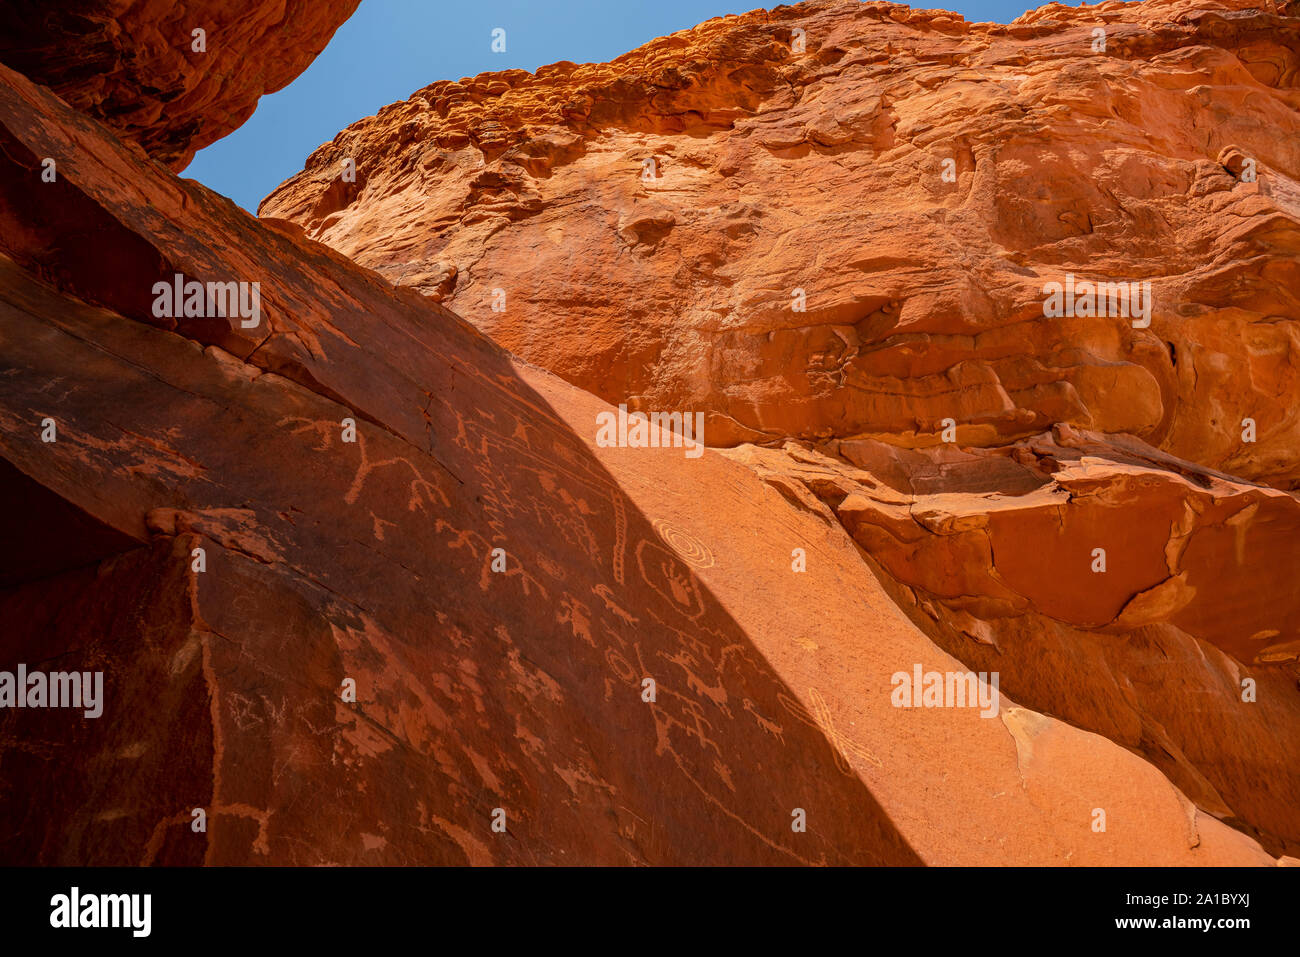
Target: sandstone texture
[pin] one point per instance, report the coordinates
(672, 286)
(725, 221)
(133, 64)
(992, 553)
(475, 690)
(362, 488)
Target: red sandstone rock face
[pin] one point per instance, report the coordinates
(326, 560)
(1171, 156)
(134, 65)
(823, 171)
(1148, 642)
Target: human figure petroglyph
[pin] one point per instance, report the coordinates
(698, 728)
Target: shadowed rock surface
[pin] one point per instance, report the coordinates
(326, 560)
(134, 65)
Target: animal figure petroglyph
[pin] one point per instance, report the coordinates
(421, 489)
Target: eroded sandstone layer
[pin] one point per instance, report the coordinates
(1150, 641)
(834, 229)
(651, 221)
(325, 561)
(141, 68)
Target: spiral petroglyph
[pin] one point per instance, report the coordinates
(691, 549)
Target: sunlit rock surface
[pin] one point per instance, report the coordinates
(650, 221)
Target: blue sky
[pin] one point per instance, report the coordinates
(391, 48)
